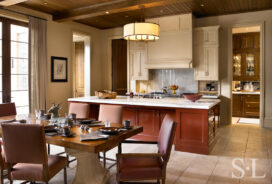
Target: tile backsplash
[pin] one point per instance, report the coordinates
(184, 78)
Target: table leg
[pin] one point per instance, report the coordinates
(89, 169)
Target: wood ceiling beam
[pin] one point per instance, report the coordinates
(11, 2)
(116, 6)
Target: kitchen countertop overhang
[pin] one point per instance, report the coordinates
(246, 92)
(165, 102)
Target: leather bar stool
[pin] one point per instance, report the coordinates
(112, 113)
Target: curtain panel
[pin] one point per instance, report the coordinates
(38, 64)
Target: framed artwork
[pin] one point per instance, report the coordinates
(59, 69)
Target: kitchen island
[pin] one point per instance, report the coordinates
(197, 121)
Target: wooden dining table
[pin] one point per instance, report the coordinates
(89, 169)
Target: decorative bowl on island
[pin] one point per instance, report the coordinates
(105, 94)
(192, 96)
(174, 88)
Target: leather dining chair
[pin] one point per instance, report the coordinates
(148, 166)
(6, 109)
(81, 110)
(3, 165)
(26, 156)
(112, 113)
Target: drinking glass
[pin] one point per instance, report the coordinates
(107, 123)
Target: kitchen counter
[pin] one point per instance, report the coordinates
(164, 102)
(197, 122)
(246, 92)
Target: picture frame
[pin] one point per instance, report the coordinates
(59, 69)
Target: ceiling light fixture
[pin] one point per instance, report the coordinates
(141, 31)
(107, 12)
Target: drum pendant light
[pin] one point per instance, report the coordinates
(141, 31)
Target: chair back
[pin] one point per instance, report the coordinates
(24, 143)
(2, 157)
(81, 110)
(112, 113)
(7, 109)
(166, 136)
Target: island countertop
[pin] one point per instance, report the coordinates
(164, 102)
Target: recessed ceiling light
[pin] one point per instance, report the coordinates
(107, 12)
(202, 5)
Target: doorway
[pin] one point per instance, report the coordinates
(246, 70)
(119, 66)
(82, 66)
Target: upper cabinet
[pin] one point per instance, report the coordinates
(206, 53)
(174, 48)
(246, 57)
(137, 60)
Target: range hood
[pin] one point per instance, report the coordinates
(174, 48)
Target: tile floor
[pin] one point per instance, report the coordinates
(240, 142)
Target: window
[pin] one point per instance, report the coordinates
(15, 64)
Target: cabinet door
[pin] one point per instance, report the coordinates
(207, 63)
(237, 67)
(237, 105)
(148, 119)
(211, 36)
(251, 106)
(252, 68)
(129, 114)
(137, 65)
(236, 41)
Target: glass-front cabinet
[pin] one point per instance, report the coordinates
(246, 60)
(237, 64)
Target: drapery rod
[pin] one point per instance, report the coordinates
(23, 13)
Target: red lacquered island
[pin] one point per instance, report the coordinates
(197, 121)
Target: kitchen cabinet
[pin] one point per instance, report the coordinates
(246, 57)
(206, 53)
(237, 105)
(137, 61)
(174, 48)
(150, 119)
(245, 105)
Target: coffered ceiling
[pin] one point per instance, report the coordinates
(113, 13)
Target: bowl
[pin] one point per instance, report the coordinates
(192, 96)
(109, 130)
(105, 94)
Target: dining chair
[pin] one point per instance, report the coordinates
(112, 113)
(81, 110)
(7, 109)
(26, 156)
(148, 166)
(3, 165)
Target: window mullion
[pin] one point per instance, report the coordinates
(6, 70)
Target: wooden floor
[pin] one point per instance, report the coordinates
(244, 142)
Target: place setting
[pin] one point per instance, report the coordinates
(103, 132)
